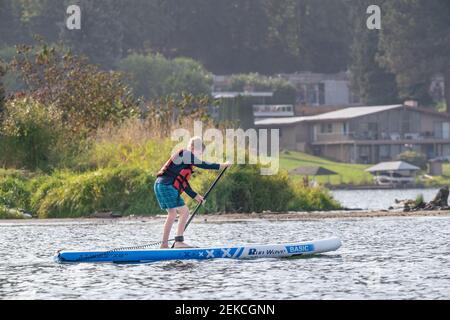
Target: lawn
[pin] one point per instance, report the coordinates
(445, 178)
(348, 173)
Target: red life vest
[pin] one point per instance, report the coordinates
(181, 179)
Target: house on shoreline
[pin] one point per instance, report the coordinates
(318, 89)
(313, 90)
(365, 134)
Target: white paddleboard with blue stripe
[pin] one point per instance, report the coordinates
(250, 251)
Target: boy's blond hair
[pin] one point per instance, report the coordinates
(196, 142)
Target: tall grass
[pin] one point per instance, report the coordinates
(135, 143)
(117, 170)
(124, 190)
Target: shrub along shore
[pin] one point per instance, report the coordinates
(129, 191)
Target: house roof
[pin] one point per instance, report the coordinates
(222, 95)
(312, 171)
(392, 166)
(279, 121)
(351, 113)
(343, 114)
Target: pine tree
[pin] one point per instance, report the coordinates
(44, 18)
(2, 87)
(416, 45)
(102, 32)
(375, 85)
(312, 35)
(11, 29)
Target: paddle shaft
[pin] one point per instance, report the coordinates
(204, 198)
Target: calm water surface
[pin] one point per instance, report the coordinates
(389, 258)
(379, 199)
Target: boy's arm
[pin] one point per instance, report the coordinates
(207, 165)
(191, 193)
(203, 164)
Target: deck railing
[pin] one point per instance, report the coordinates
(374, 136)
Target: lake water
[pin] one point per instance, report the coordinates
(381, 258)
(379, 199)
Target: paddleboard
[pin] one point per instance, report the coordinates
(250, 251)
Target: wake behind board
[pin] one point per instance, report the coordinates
(237, 252)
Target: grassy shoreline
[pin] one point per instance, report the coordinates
(129, 190)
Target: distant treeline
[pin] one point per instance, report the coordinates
(264, 36)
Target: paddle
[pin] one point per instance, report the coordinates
(204, 199)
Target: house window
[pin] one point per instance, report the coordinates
(446, 130)
(373, 126)
(373, 131)
(395, 150)
(345, 128)
(312, 93)
(430, 151)
(329, 128)
(406, 122)
(446, 150)
(326, 128)
(321, 94)
(385, 152)
(438, 130)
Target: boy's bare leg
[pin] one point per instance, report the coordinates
(171, 216)
(182, 220)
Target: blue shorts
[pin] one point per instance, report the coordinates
(168, 197)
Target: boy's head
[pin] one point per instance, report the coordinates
(196, 145)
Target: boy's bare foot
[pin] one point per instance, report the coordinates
(164, 245)
(182, 245)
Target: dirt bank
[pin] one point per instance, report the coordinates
(324, 215)
(236, 217)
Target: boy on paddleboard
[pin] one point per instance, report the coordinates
(173, 180)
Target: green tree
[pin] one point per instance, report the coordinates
(226, 36)
(415, 43)
(2, 88)
(10, 82)
(283, 91)
(29, 130)
(87, 97)
(310, 34)
(45, 18)
(153, 76)
(145, 25)
(237, 111)
(102, 32)
(375, 85)
(11, 28)
(188, 76)
(233, 36)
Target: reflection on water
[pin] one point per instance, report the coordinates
(379, 199)
(387, 258)
(316, 256)
(178, 265)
